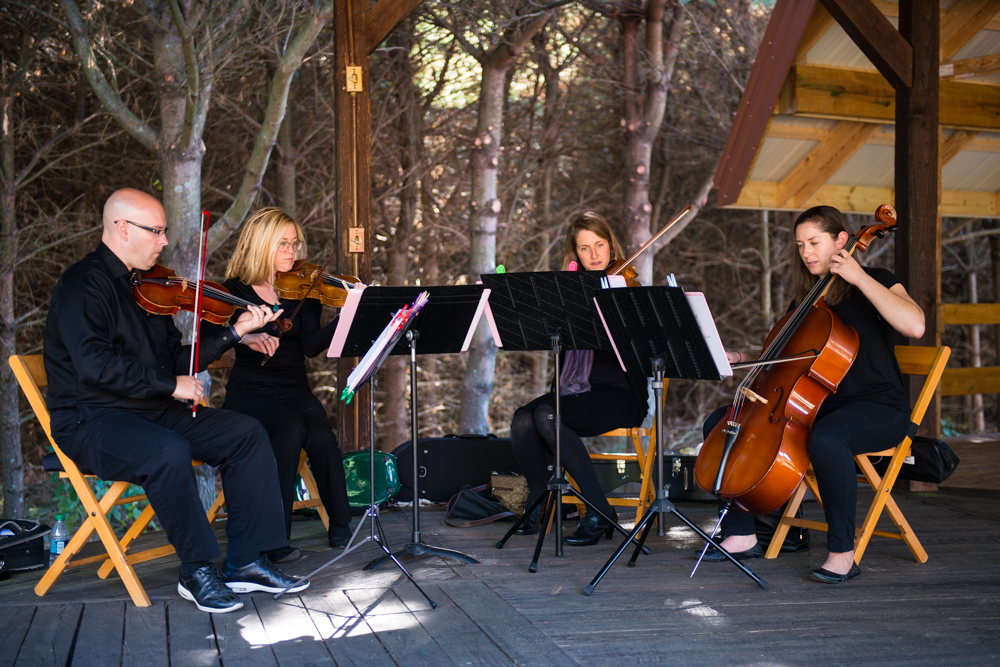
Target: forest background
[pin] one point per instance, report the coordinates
(494, 122)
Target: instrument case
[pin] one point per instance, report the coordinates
(22, 546)
(449, 463)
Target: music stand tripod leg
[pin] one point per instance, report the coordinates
(376, 534)
(417, 547)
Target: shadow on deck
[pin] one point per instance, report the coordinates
(495, 613)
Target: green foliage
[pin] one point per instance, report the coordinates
(948, 428)
(66, 501)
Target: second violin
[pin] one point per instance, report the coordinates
(300, 283)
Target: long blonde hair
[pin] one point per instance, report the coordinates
(592, 222)
(252, 262)
(830, 221)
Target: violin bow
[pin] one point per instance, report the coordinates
(673, 221)
(199, 286)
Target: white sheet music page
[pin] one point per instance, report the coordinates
(708, 330)
(347, 313)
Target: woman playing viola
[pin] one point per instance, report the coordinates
(597, 396)
(870, 410)
(277, 392)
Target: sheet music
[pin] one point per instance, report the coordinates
(483, 306)
(699, 306)
(347, 313)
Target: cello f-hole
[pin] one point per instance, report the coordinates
(780, 391)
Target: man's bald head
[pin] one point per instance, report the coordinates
(128, 216)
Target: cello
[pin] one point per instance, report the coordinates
(756, 456)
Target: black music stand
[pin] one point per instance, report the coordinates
(546, 311)
(354, 337)
(655, 333)
(445, 325)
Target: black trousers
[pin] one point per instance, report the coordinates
(841, 431)
(154, 448)
(293, 423)
(532, 433)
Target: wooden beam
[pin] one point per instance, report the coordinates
(774, 57)
(918, 179)
(822, 162)
(383, 18)
(859, 199)
(819, 23)
(962, 22)
(352, 167)
(891, 9)
(961, 381)
(882, 138)
(877, 38)
(954, 145)
(969, 67)
(970, 313)
(864, 95)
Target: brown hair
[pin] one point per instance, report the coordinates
(592, 222)
(253, 260)
(832, 222)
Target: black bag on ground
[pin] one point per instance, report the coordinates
(21, 544)
(796, 540)
(474, 507)
(447, 464)
(930, 460)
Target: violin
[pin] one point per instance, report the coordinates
(300, 283)
(756, 455)
(625, 269)
(160, 292)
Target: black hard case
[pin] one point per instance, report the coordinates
(449, 463)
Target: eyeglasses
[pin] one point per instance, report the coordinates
(151, 230)
(293, 246)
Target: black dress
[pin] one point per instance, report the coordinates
(615, 400)
(278, 394)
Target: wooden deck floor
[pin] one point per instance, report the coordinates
(944, 612)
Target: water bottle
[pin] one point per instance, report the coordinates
(58, 538)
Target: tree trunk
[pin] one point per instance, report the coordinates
(285, 167)
(995, 265)
(10, 423)
(975, 354)
(766, 309)
(478, 381)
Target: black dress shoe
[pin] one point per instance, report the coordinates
(589, 530)
(530, 525)
(262, 575)
(206, 589)
(339, 536)
(283, 555)
(828, 577)
(715, 556)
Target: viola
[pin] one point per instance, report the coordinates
(756, 456)
(624, 268)
(160, 292)
(301, 283)
(626, 271)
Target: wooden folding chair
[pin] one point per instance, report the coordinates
(30, 374)
(226, 362)
(913, 360)
(647, 492)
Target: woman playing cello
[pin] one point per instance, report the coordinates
(597, 396)
(870, 410)
(277, 392)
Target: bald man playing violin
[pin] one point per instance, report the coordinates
(115, 373)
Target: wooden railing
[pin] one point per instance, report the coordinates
(961, 381)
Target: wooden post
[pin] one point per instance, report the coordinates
(918, 177)
(353, 171)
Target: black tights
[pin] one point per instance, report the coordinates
(840, 432)
(533, 436)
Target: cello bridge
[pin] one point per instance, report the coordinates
(752, 395)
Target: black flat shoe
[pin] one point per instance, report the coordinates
(206, 589)
(589, 530)
(339, 536)
(714, 555)
(530, 525)
(283, 555)
(828, 577)
(262, 575)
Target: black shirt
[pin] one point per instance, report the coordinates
(874, 375)
(607, 373)
(101, 349)
(285, 372)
